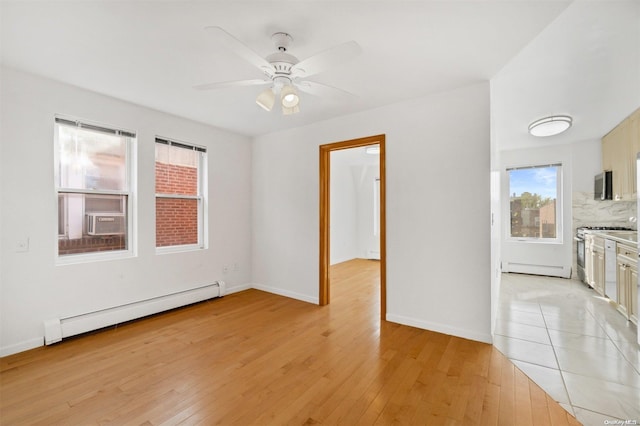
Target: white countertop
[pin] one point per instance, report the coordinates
(624, 237)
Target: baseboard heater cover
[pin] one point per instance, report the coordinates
(56, 329)
(548, 270)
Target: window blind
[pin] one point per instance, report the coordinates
(180, 145)
(534, 167)
(95, 128)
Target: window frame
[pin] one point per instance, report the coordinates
(200, 197)
(128, 192)
(559, 205)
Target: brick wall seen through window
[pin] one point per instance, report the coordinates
(178, 195)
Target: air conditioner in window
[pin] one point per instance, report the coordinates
(105, 223)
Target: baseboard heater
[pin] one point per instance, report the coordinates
(533, 269)
(57, 329)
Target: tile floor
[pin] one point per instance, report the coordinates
(572, 343)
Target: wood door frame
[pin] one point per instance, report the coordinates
(325, 179)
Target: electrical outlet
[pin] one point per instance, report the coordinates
(22, 245)
(225, 269)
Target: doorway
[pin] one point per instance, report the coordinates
(325, 215)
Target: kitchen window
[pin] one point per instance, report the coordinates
(535, 202)
(94, 190)
(180, 196)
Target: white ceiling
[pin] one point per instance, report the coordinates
(152, 53)
(586, 64)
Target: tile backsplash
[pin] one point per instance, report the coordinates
(590, 212)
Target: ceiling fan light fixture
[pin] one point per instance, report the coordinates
(289, 111)
(550, 126)
(266, 99)
(289, 97)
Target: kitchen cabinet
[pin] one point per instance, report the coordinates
(619, 149)
(627, 280)
(634, 134)
(633, 313)
(588, 258)
(598, 265)
(594, 262)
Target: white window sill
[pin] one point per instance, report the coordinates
(534, 241)
(178, 249)
(73, 259)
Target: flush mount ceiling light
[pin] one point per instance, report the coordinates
(373, 149)
(550, 126)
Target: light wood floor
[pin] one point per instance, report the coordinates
(257, 358)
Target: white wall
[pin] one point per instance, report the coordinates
(353, 174)
(438, 204)
(364, 179)
(343, 209)
(33, 287)
(587, 157)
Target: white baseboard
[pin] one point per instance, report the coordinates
(238, 288)
(286, 293)
(25, 345)
(440, 328)
(547, 270)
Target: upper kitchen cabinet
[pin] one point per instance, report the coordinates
(619, 149)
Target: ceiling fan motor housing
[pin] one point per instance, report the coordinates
(282, 41)
(282, 63)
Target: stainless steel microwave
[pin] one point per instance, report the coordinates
(603, 186)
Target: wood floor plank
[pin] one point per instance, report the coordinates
(523, 410)
(254, 358)
(539, 409)
(507, 394)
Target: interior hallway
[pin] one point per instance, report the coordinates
(573, 344)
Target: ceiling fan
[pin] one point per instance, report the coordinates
(284, 73)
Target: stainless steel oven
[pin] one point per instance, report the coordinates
(580, 253)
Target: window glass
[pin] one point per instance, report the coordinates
(179, 196)
(92, 188)
(534, 202)
(176, 170)
(91, 160)
(176, 221)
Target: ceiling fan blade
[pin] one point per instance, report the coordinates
(240, 49)
(322, 90)
(224, 84)
(326, 59)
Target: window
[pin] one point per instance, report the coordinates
(93, 169)
(180, 189)
(535, 202)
